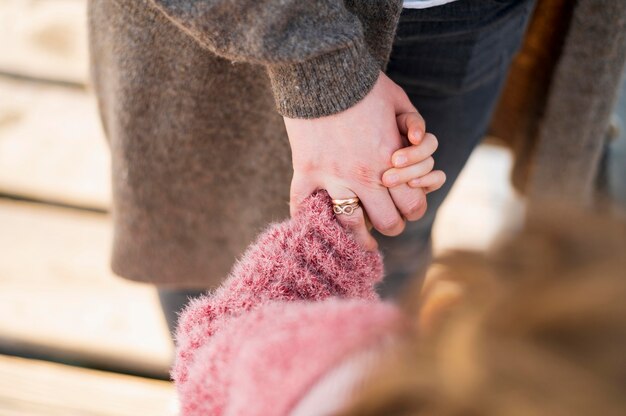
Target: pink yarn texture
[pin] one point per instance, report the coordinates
(300, 299)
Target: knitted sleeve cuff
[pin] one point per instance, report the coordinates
(326, 84)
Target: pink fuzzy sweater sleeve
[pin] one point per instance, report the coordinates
(309, 257)
(265, 361)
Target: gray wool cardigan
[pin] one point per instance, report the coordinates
(188, 93)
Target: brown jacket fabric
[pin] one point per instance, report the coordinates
(188, 93)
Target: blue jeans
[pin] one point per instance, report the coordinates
(452, 61)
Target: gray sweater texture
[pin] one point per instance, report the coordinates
(322, 56)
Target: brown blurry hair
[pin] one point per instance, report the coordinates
(539, 330)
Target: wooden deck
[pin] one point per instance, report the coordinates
(38, 388)
(58, 300)
(56, 292)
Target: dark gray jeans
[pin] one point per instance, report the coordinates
(451, 60)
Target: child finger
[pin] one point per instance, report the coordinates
(430, 182)
(395, 176)
(414, 154)
(411, 125)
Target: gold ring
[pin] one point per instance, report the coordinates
(345, 206)
(347, 201)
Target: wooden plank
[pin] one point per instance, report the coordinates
(44, 39)
(51, 145)
(31, 387)
(56, 292)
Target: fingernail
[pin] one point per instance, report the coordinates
(391, 179)
(400, 160)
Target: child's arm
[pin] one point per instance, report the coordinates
(310, 257)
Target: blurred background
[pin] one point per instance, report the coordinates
(74, 338)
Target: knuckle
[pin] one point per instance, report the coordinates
(365, 175)
(399, 91)
(414, 207)
(308, 166)
(391, 225)
(353, 221)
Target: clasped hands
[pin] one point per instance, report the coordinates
(377, 150)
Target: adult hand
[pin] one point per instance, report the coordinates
(348, 152)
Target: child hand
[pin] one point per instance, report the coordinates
(414, 164)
